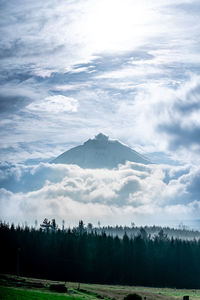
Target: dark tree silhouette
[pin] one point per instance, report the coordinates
(87, 256)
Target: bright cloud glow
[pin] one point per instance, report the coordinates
(116, 25)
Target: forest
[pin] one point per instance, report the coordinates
(182, 232)
(82, 256)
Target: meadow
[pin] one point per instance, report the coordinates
(23, 288)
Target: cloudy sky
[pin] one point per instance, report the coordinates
(127, 68)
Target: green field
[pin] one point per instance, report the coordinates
(9, 293)
(22, 288)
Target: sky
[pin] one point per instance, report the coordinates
(127, 68)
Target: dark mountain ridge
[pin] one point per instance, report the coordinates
(100, 152)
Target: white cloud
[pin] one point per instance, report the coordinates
(131, 72)
(173, 118)
(53, 37)
(55, 104)
(130, 192)
(71, 87)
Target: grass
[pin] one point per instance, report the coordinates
(7, 293)
(10, 290)
(118, 292)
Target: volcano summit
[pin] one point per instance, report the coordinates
(100, 152)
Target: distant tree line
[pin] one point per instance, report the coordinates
(84, 255)
(181, 233)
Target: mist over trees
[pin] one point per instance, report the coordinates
(83, 255)
(181, 233)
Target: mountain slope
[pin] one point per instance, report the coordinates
(100, 152)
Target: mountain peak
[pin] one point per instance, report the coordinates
(101, 137)
(100, 152)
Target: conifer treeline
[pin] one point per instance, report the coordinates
(76, 255)
(181, 233)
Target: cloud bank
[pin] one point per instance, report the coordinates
(153, 194)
